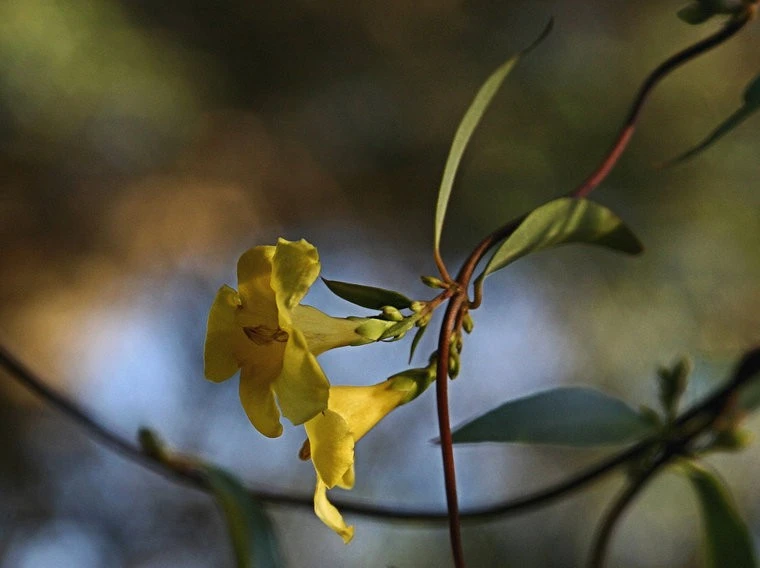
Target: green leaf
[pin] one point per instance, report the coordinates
(464, 132)
(562, 221)
(566, 416)
(249, 526)
(727, 540)
(694, 14)
(416, 341)
(367, 296)
(751, 104)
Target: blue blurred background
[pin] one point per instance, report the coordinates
(146, 145)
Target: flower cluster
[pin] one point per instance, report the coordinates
(264, 331)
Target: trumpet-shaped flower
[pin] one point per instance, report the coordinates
(263, 330)
(351, 413)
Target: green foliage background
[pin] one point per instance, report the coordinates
(146, 145)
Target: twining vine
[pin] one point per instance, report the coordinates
(262, 331)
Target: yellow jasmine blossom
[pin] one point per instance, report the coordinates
(263, 330)
(351, 413)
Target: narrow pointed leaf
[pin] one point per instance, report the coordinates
(562, 221)
(566, 416)
(464, 132)
(249, 526)
(726, 537)
(416, 341)
(751, 105)
(367, 296)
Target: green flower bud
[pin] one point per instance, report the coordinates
(432, 282)
(453, 365)
(467, 323)
(417, 306)
(392, 314)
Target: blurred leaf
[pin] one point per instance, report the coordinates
(694, 14)
(251, 531)
(416, 341)
(567, 416)
(464, 132)
(727, 540)
(751, 104)
(367, 296)
(699, 11)
(562, 221)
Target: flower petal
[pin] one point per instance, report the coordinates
(257, 380)
(301, 387)
(363, 407)
(329, 515)
(295, 266)
(323, 332)
(257, 297)
(219, 359)
(332, 447)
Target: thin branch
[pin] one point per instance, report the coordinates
(732, 27)
(602, 539)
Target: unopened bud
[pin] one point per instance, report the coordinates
(392, 314)
(453, 366)
(432, 281)
(424, 320)
(417, 306)
(467, 323)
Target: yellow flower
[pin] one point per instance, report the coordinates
(262, 330)
(351, 413)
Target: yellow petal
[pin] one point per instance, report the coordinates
(349, 478)
(363, 407)
(257, 380)
(323, 332)
(301, 387)
(257, 297)
(332, 447)
(329, 515)
(219, 359)
(295, 266)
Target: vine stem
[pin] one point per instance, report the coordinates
(468, 268)
(444, 425)
(604, 535)
(456, 303)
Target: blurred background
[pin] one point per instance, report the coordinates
(146, 145)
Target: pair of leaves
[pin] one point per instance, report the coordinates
(751, 105)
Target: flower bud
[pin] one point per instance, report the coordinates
(432, 282)
(417, 306)
(467, 323)
(392, 314)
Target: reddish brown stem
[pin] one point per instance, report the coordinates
(670, 64)
(444, 425)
